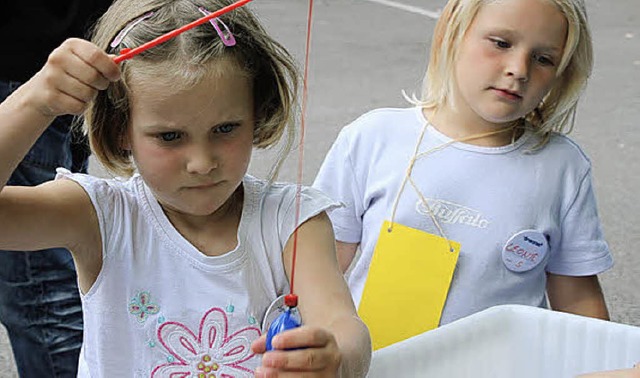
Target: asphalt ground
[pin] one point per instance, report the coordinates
(364, 53)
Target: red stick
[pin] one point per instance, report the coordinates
(128, 54)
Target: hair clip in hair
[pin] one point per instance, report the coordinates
(123, 33)
(226, 36)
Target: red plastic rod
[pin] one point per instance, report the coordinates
(130, 53)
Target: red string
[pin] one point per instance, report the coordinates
(305, 88)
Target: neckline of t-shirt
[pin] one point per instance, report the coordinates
(229, 260)
(432, 131)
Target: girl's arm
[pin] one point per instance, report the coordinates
(335, 341)
(577, 295)
(345, 252)
(622, 373)
(59, 213)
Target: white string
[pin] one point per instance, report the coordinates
(417, 156)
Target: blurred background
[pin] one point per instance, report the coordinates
(366, 52)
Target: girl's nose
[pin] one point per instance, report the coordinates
(202, 160)
(518, 66)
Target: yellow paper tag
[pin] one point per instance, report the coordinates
(407, 284)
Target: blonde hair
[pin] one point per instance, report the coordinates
(188, 58)
(557, 111)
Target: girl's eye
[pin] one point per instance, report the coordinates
(501, 44)
(544, 60)
(225, 129)
(171, 136)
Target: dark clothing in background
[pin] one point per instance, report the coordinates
(39, 299)
(31, 29)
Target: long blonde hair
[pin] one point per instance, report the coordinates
(557, 111)
(188, 58)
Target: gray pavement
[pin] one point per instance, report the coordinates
(366, 52)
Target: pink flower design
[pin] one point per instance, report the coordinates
(212, 353)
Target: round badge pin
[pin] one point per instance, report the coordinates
(525, 250)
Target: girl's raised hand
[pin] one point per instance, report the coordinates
(70, 79)
(306, 351)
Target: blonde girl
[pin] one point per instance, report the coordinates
(482, 160)
(178, 263)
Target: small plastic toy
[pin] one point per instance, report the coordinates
(288, 319)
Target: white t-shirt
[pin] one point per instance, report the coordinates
(159, 306)
(481, 196)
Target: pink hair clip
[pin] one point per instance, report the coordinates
(229, 40)
(123, 33)
(226, 36)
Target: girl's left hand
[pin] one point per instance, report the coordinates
(306, 351)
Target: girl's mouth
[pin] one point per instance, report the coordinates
(507, 94)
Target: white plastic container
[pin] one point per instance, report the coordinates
(512, 341)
